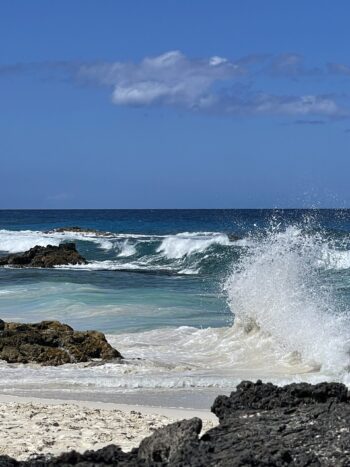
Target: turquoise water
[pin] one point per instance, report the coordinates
(194, 299)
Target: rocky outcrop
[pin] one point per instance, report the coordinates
(81, 230)
(252, 397)
(52, 343)
(45, 257)
(74, 229)
(260, 425)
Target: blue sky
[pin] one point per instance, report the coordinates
(174, 104)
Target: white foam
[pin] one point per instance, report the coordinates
(174, 359)
(104, 243)
(14, 241)
(189, 271)
(334, 259)
(110, 265)
(244, 242)
(127, 249)
(185, 244)
(277, 288)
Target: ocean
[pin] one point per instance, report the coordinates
(195, 300)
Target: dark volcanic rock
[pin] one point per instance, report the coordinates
(73, 229)
(259, 396)
(260, 425)
(82, 230)
(107, 456)
(52, 343)
(45, 257)
(172, 445)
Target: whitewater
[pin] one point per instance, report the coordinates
(194, 308)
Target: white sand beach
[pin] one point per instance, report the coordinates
(48, 426)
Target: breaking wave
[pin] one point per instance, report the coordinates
(185, 244)
(183, 253)
(16, 241)
(279, 289)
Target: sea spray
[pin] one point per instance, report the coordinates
(126, 249)
(277, 288)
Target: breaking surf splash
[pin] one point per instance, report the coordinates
(279, 288)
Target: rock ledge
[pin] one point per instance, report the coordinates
(45, 257)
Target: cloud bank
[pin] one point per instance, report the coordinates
(213, 85)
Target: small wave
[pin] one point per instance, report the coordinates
(109, 265)
(13, 241)
(105, 243)
(127, 249)
(189, 271)
(16, 241)
(185, 244)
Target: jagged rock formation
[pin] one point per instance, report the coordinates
(260, 425)
(45, 257)
(52, 343)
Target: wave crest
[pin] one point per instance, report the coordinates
(185, 244)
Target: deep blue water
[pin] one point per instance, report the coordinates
(168, 221)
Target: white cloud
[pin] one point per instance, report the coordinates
(170, 78)
(297, 106)
(206, 85)
(213, 61)
(213, 85)
(262, 104)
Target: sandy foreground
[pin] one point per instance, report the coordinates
(29, 425)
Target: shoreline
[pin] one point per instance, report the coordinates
(171, 412)
(258, 424)
(31, 425)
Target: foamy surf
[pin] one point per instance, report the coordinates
(166, 361)
(277, 288)
(182, 253)
(13, 241)
(184, 244)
